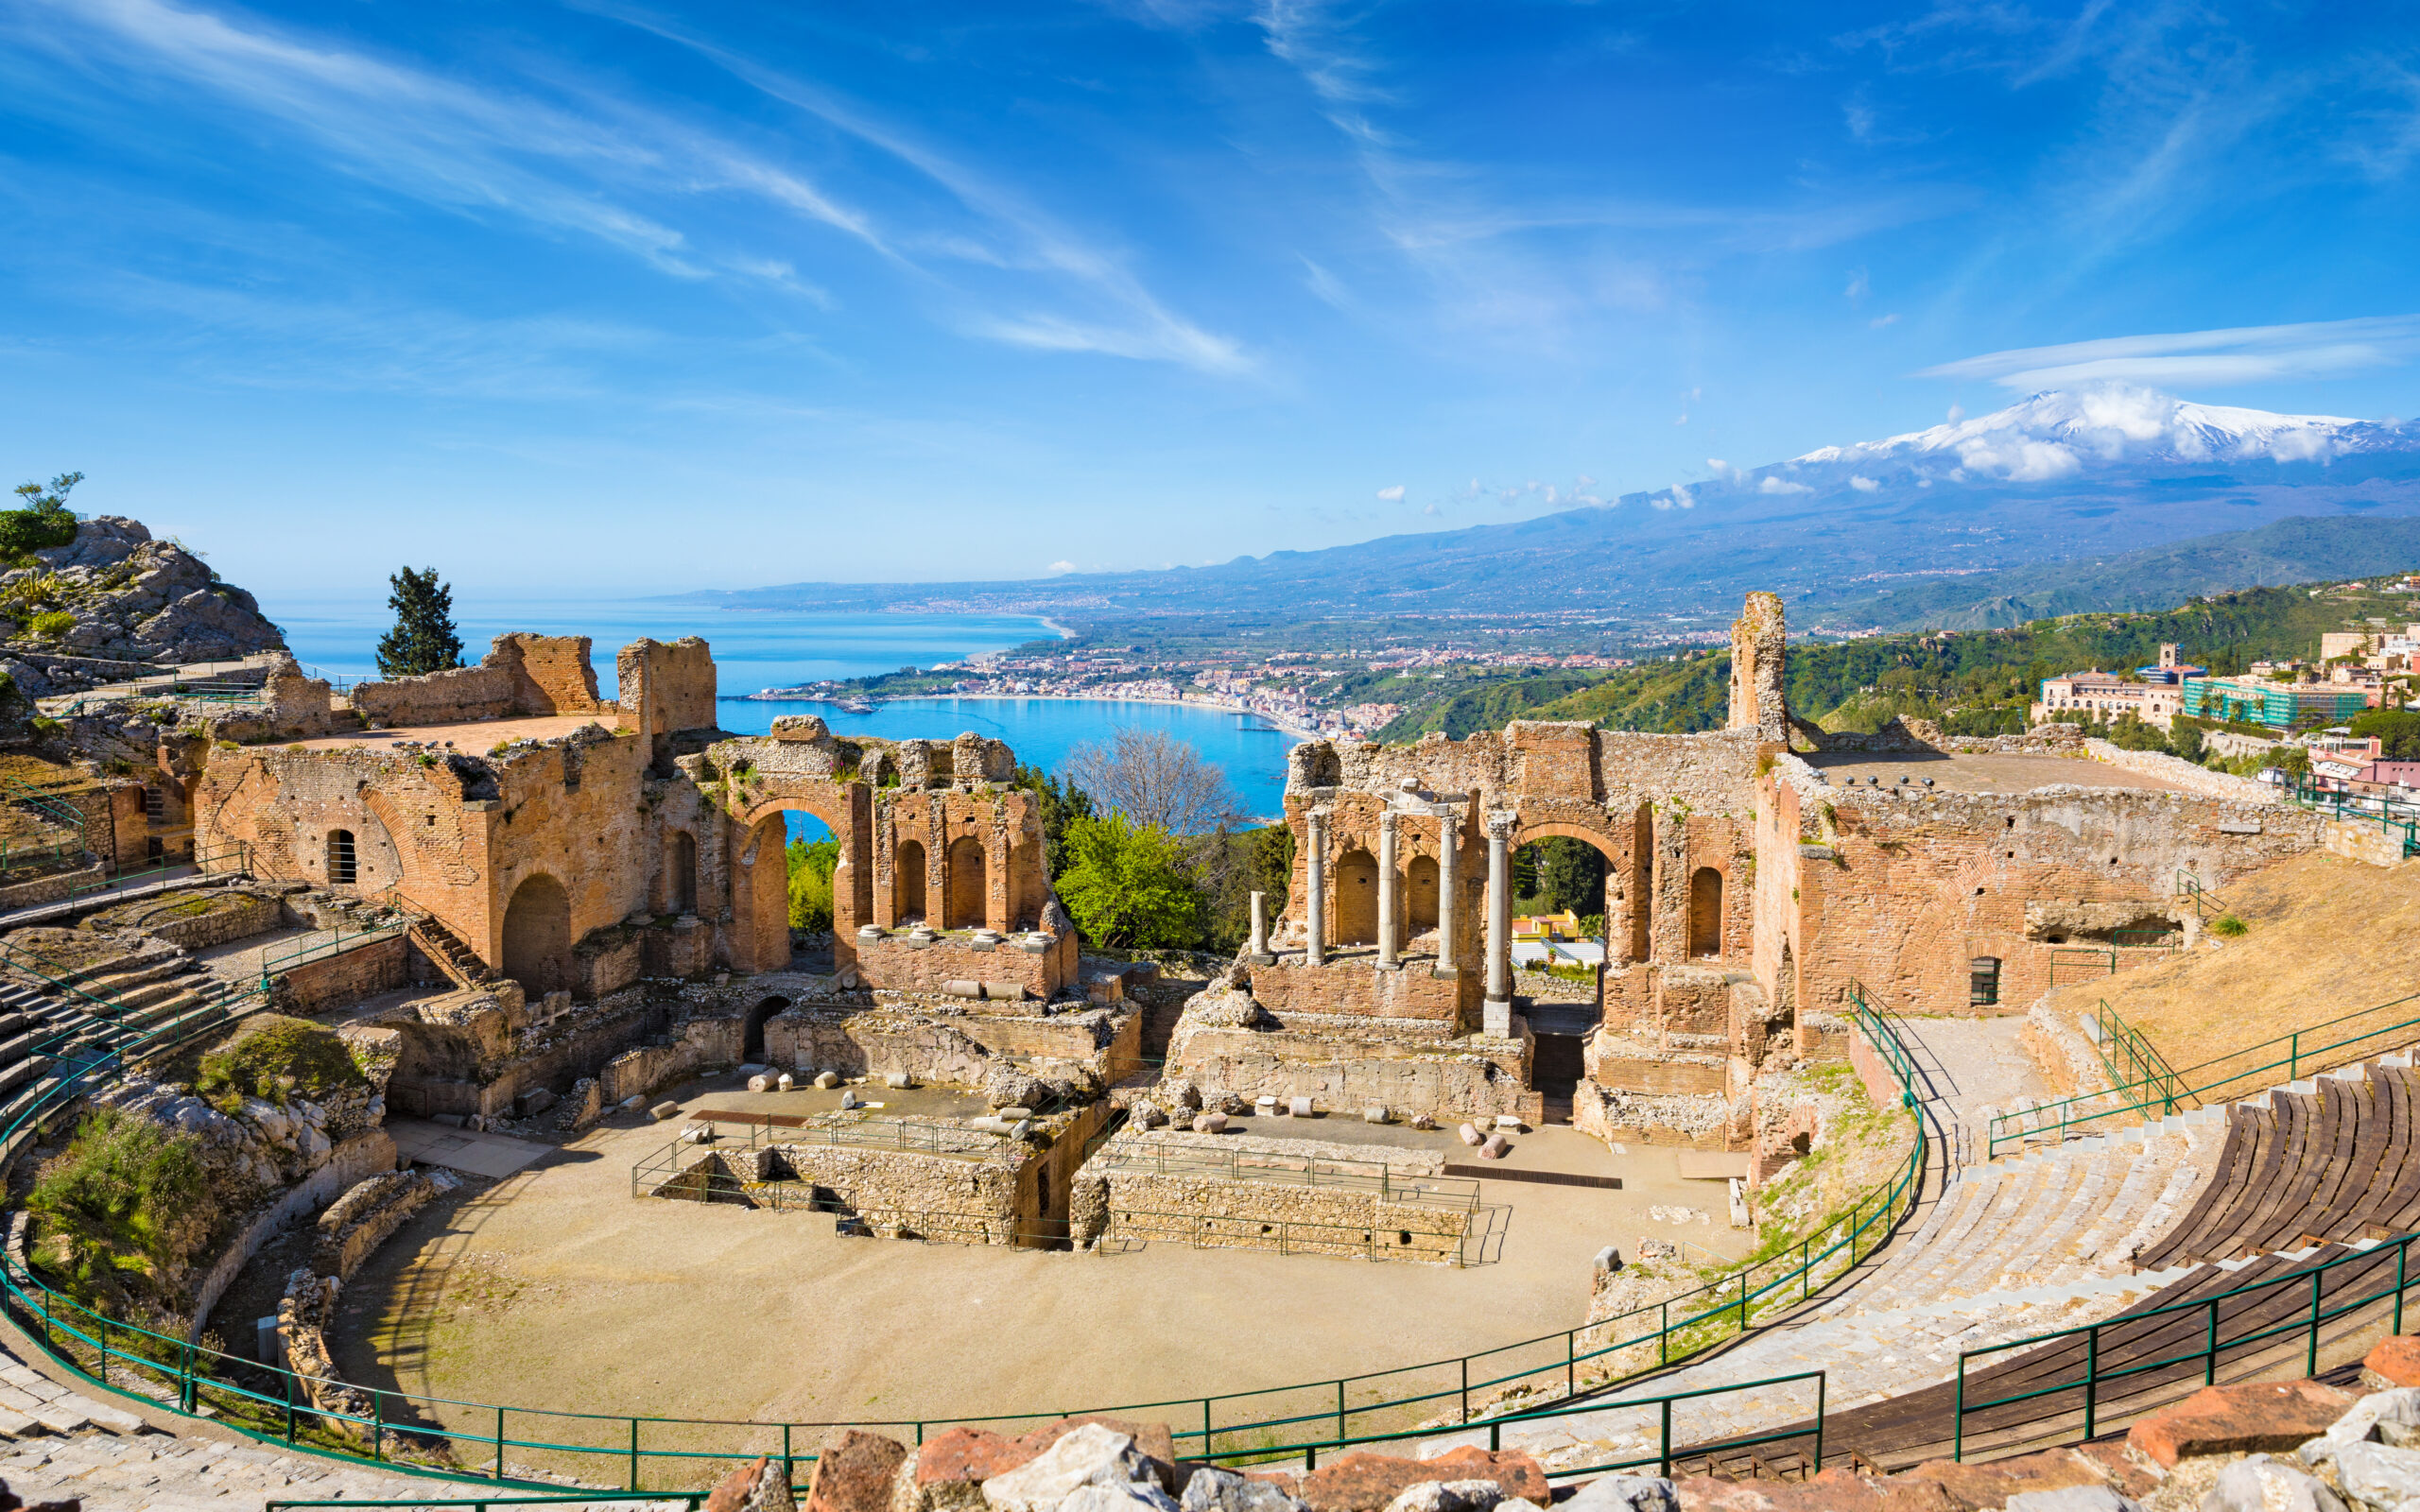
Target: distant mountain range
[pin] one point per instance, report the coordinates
(2051, 506)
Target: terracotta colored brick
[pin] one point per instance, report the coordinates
(1362, 1482)
(855, 1474)
(1977, 1486)
(2262, 1417)
(2395, 1361)
(968, 1455)
(1835, 1490)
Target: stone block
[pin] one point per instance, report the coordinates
(1834, 1490)
(1508, 1122)
(1451, 1496)
(1497, 1147)
(2260, 1417)
(827, 1079)
(1298, 1106)
(1376, 1113)
(947, 1469)
(1625, 1493)
(898, 1080)
(1208, 1488)
(2260, 1483)
(2395, 1361)
(784, 1082)
(857, 1474)
(1265, 1105)
(2378, 1475)
(664, 1110)
(533, 1102)
(1363, 1482)
(1091, 1455)
(1209, 1123)
(1156, 1442)
(759, 1486)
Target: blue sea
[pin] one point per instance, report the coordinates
(756, 649)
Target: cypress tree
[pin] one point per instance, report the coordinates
(424, 639)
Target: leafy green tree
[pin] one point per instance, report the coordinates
(2184, 739)
(2397, 729)
(811, 865)
(424, 639)
(45, 522)
(1129, 887)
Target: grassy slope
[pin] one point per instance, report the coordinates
(2327, 937)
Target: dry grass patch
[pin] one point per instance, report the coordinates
(2324, 937)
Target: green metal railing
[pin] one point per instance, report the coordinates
(2348, 806)
(276, 1403)
(2207, 905)
(1666, 1453)
(394, 917)
(2130, 1058)
(2161, 1092)
(2253, 1301)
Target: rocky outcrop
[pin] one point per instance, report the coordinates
(125, 597)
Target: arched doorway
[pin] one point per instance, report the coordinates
(967, 896)
(753, 1047)
(908, 883)
(537, 936)
(1705, 912)
(679, 872)
(1357, 899)
(343, 863)
(1419, 888)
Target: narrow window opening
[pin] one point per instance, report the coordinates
(341, 859)
(1984, 979)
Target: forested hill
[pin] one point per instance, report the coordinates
(1977, 680)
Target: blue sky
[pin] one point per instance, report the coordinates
(617, 297)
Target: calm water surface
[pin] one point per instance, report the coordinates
(762, 650)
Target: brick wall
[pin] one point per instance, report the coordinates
(343, 978)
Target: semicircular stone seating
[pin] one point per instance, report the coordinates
(2317, 1170)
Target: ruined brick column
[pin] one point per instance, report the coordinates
(1449, 897)
(1497, 1021)
(1759, 644)
(1389, 952)
(1315, 950)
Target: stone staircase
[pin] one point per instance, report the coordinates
(454, 958)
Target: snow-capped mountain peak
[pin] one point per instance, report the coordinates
(2056, 434)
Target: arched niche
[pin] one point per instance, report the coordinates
(537, 936)
(907, 881)
(967, 896)
(1705, 912)
(1357, 898)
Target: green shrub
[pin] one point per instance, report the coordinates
(272, 1056)
(50, 625)
(2226, 926)
(124, 1205)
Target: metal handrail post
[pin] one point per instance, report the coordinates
(2091, 1376)
(2310, 1361)
(2210, 1348)
(1663, 1442)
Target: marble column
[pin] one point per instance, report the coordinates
(1449, 895)
(1315, 951)
(1497, 1010)
(1259, 953)
(1389, 952)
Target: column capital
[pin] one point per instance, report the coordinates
(1387, 821)
(1501, 823)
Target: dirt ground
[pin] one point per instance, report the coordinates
(556, 1288)
(2326, 937)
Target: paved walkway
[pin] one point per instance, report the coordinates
(489, 1155)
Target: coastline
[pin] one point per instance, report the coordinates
(1288, 727)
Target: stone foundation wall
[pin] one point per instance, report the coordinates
(1619, 1116)
(344, 977)
(2362, 840)
(1353, 986)
(956, 1048)
(361, 1220)
(1221, 1214)
(232, 915)
(1449, 1080)
(895, 962)
(902, 1193)
(350, 1164)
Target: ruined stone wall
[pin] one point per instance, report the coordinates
(664, 689)
(2363, 840)
(902, 1192)
(1759, 644)
(2198, 780)
(414, 823)
(569, 811)
(1902, 891)
(1352, 986)
(521, 675)
(1344, 1068)
(955, 1049)
(1189, 1198)
(900, 964)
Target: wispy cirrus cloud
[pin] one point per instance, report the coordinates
(2244, 354)
(576, 158)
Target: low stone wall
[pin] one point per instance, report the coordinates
(1343, 1066)
(344, 976)
(2362, 840)
(195, 920)
(361, 1220)
(1351, 985)
(1697, 1121)
(641, 1070)
(897, 962)
(897, 1194)
(934, 1042)
(349, 1163)
(521, 675)
(2198, 780)
(51, 888)
(1152, 1188)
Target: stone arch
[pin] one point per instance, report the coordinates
(968, 901)
(1420, 894)
(907, 881)
(679, 872)
(1357, 898)
(537, 936)
(1705, 912)
(1604, 843)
